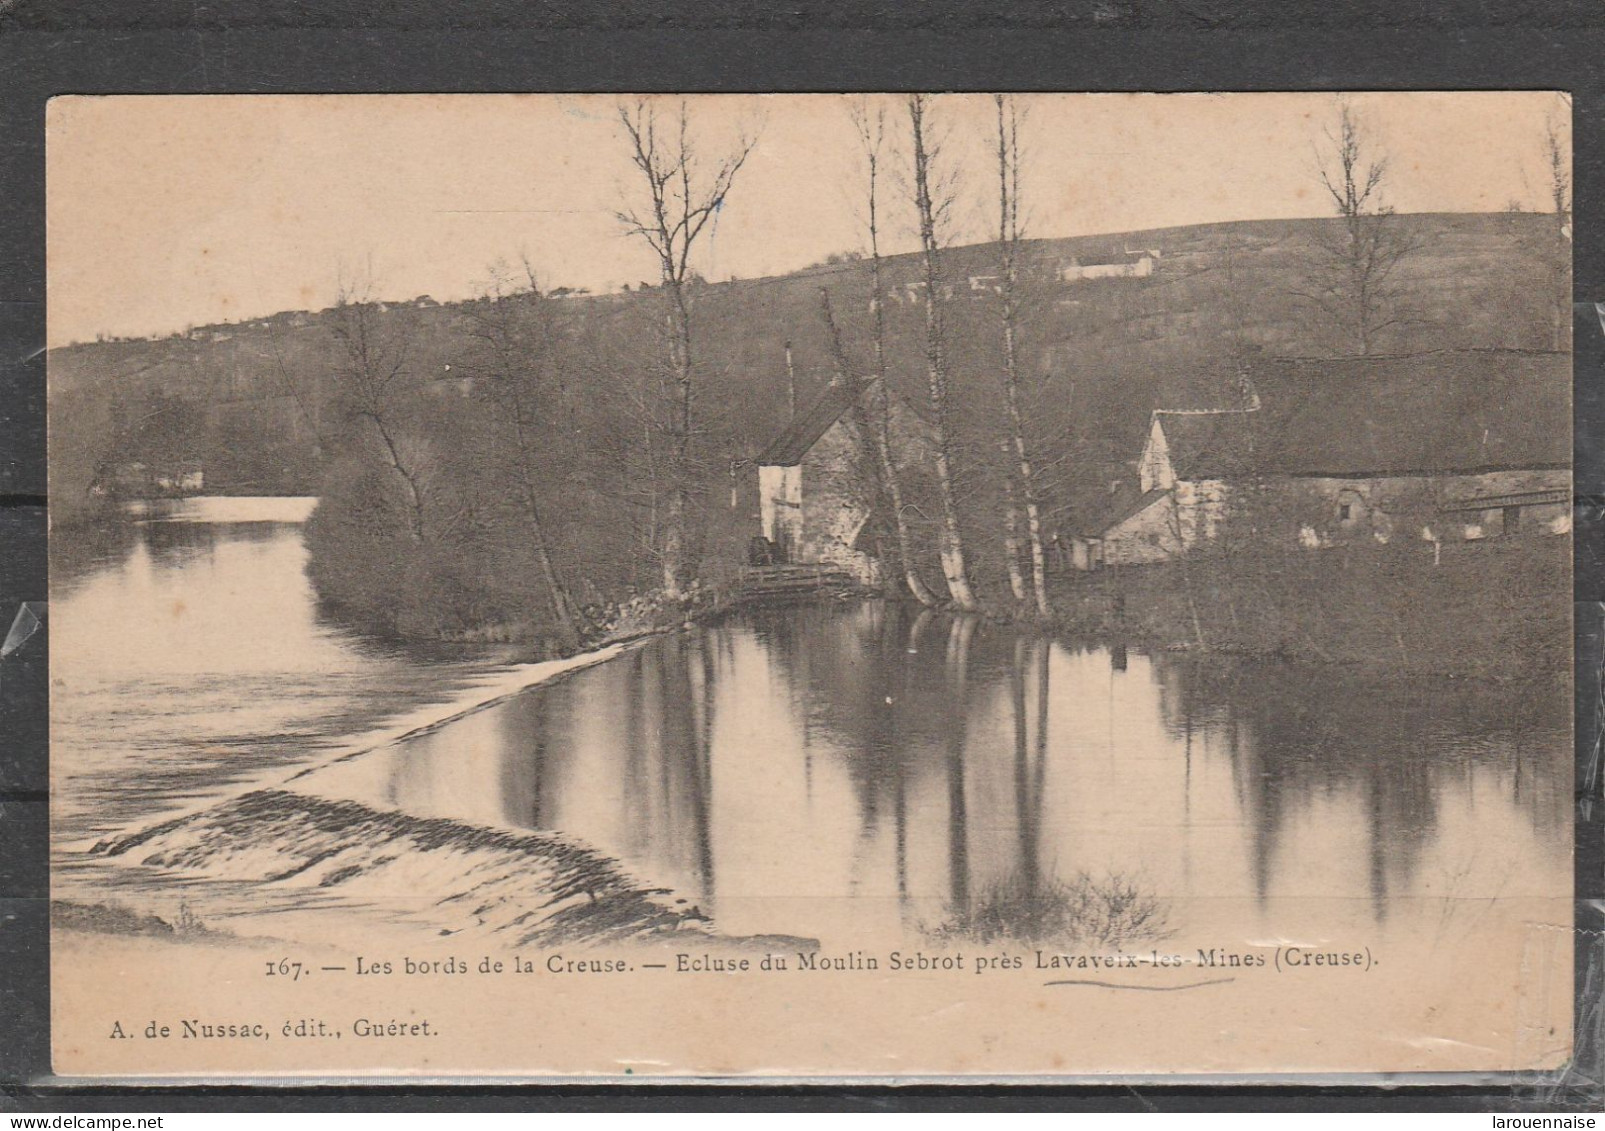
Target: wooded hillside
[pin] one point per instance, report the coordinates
(520, 401)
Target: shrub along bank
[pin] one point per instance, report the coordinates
(1497, 608)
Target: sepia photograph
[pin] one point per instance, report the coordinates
(889, 586)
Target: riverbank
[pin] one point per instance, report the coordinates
(1496, 610)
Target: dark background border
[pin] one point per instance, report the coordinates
(50, 47)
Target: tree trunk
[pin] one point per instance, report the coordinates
(1022, 454)
(563, 611)
(881, 428)
(791, 385)
(952, 538)
(1011, 534)
(684, 194)
(676, 556)
(1039, 558)
(562, 604)
(415, 500)
(1192, 600)
(894, 489)
(1033, 531)
(1009, 242)
(952, 549)
(882, 400)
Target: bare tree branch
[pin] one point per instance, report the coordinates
(683, 193)
(1354, 284)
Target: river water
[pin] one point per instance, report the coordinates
(837, 771)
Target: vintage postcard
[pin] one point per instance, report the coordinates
(747, 586)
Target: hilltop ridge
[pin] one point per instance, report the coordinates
(1117, 344)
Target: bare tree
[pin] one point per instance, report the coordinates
(684, 191)
(1557, 166)
(871, 127)
(373, 380)
(1355, 284)
(517, 365)
(1009, 233)
(933, 201)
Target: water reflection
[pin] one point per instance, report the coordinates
(839, 772)
(1397, 752)
(173, 532)
(188, 653)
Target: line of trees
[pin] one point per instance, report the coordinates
(560, 458)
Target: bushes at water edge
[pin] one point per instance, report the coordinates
(1494, 608)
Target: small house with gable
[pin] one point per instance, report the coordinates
(819, 483)
(1448, 446)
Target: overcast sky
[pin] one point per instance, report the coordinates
(168, 211)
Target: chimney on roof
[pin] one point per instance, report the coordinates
(791, 385)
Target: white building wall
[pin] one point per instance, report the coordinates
(1141, 268)
(1200, 509)
(780, 504)
(1147, 536)
(1153, 467)
(837, 503)
(1390, 507)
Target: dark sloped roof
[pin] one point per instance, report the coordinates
(805, 429)
(1443, 412)
(1446, 412)
(1118, 507)
(1214, 445)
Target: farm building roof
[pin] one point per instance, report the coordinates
(797, 438)
(805, 429)
(1446, 412)
(1209, 445)
(1118, 508)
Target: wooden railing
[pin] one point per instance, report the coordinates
(753, 581)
